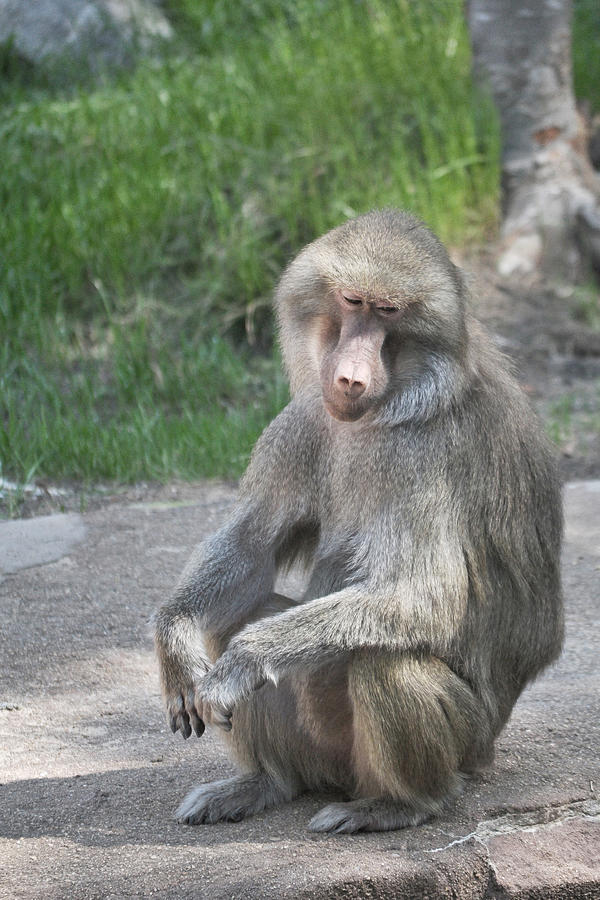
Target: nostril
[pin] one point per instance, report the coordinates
(351, 387)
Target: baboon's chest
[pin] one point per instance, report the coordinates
(362, 478)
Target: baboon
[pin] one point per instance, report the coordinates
(410, 478)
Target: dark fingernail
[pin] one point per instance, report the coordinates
(199, 727)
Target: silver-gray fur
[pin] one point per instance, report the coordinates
(410, 477)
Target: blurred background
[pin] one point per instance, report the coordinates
(154, 184)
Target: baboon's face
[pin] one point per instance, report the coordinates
(367, 311)
(353, 344)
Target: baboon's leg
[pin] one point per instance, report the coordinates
(232, 799)
(368, 814)
(254, 744)
(415, 726)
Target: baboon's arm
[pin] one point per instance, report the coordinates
(418, 614)
(232, 572)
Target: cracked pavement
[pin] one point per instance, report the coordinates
(90, 774)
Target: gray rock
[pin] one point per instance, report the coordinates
(104, 32)
(33, 542)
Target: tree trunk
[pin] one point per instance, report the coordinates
(551, 210)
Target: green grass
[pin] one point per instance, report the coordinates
(559, 421)
(586, 305)
(155, 412)
(573, 421)
(586, 52)
(145, 219)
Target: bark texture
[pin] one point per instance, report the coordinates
(551, 213)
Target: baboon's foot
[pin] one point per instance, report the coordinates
(230, 800)
(371, 814)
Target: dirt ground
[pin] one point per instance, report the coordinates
(90, 774)
(551, 335)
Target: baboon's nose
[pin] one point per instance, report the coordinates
(351, 387)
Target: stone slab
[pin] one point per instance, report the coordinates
(551, 860)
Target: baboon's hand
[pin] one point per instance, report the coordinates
(185, 712)
(186, 708)
(234, 676)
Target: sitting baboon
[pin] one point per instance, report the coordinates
(410, 477)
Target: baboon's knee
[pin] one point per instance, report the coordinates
(416, 724)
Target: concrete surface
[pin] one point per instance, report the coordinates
(90, 775)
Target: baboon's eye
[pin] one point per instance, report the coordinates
(353, 301)
(387, 310)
